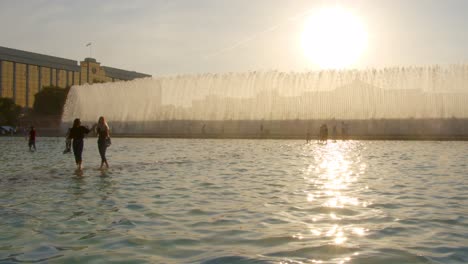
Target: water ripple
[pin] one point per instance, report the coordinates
(235, 201)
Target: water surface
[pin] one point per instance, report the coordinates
(235, 201)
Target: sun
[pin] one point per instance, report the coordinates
(334, 38)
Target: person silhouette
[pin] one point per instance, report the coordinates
(323, 134)
(334, 132)
(32, 139)
(102, 130)
(344, 131)
(77, 134)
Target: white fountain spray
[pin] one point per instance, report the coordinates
(390, 93)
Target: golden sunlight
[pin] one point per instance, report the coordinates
(334, 38)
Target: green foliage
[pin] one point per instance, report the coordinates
(50, 100)
(9, 112)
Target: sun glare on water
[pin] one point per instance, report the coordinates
(334, 38)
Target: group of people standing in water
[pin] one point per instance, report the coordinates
(76, 135)
(74, 140)
(323, 133)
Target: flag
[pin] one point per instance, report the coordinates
(89, 44)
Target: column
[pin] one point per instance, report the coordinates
(50, 79)
(57, 77)
(27, 85)
(14, 82)
(39, 77)
(67, 73)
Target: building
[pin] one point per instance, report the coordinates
(23, 74)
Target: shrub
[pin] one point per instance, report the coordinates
(9, 112)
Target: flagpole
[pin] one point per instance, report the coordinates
(90, 45)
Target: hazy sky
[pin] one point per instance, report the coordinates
(197, 36)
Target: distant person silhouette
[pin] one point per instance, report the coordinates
(334, 132)
(307, 137)
(189, 127)
(102, 130)
(77, 133)
(323, 134)
(344, 131)
(32, 139)
(203, 129)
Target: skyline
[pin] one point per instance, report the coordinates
(181, 37)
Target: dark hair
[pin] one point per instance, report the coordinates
(76, 122)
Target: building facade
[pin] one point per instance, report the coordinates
(23, 74)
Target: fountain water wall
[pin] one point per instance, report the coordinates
(390, 101)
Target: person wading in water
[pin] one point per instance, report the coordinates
(77, 134)
(102, 130)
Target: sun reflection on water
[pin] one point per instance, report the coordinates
(332, 172)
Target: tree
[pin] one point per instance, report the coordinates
(50, 100)
(9, 112)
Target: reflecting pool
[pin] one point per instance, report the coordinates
(235, 201)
